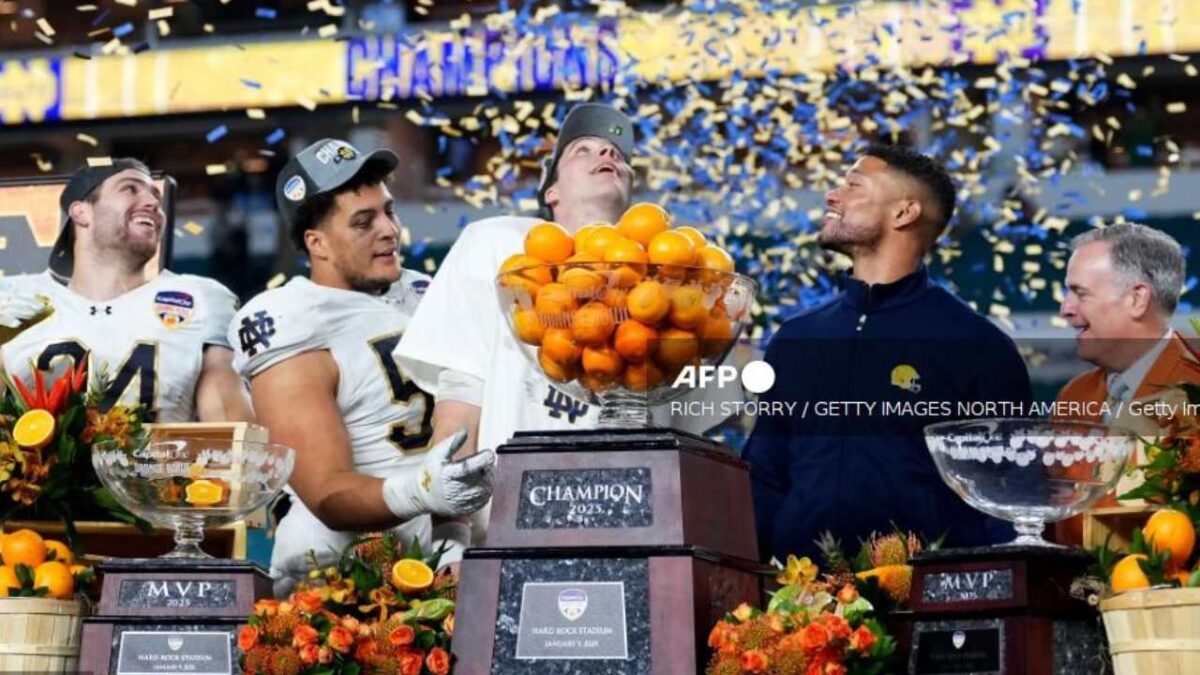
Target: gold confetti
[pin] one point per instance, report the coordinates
(215, 169)
(99, 161)
(1176, 107)
(1126, 81)
(44, 26)
(127, 3)
(161, 13)
(277, 280)
(90, 140)
(1190, 70)
(164, 28)
(328, 30)
(306, 103)
(256, 113)
(193, 228)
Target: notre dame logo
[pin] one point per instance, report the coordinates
(560, 404)
(256, 332)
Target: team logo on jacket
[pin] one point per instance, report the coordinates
(907, 378)
(294, 188)
(572, 603)
(173, 308)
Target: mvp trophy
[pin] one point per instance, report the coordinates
(614, 550)
(1006, 610)
(180, 613)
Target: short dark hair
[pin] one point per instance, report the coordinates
(126, 163)
(923, 169)
(316, 208)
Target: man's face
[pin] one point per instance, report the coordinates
(362, 238)
(591, 169)
(127, 217)
(856, 210)
(1099, 303)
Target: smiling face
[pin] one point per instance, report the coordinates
(591, 171)
(1101, 305)
(357, 245)
(122, 219)
(856, 210)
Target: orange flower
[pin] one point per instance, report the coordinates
(366, 650)
(340, 639)
(325, 655)
(743, 612)
(848, 594)
(438, 661)
(448, 624)
(310, 653)
(775, 623)
(814, 637)
(304, 635)
(350, 623)
(723, 637)
(247, 638)
(754, 661)
(268, 607)
(402, 635)
(307, 601)
(834, 668)
(839, 629)
(862, 639)
(411, 662)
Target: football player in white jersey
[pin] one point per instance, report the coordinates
(318, 355)
(459, 346)
(161, 342)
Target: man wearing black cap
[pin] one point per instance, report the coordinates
(161, 341)
(318, 355)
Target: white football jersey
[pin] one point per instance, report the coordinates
(150, 341)
(387, 417)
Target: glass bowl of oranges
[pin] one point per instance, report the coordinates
(614, 313)
(188, 484)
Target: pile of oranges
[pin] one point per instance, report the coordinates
(38, 567)
(629, 304)
(1168, 534)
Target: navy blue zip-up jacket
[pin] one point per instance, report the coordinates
(910, 345)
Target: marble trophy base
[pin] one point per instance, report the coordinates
(1001, 610)
(161, 615)
(626, 611)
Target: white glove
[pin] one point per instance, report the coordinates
(16, 310)
(440, 486)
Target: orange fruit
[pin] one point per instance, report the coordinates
(554, 370)
(1127, 575)
(554, 299)
(615, 297)
(633, 261)
(558, 344)
(648, 302)
(713, 259)
(585, 283)
(1181, 576)
(549, 242)
(676, 348)
(592, 324)
(596, 382)
(671, 248)
(524, 273)
(528, 326)
(56, 578)
(697, 237)
(687, 307)
(34, 429)
(642, 221)
(78, 569)
(582, 259)
(602, 362)
(582, 234)
(642, 376)
(411, 576)
(61, 553)
(204, 492)
(8, 579)
(24, 547)
(1171, 530)
(598, 240)
(716, 334)
(634, 340)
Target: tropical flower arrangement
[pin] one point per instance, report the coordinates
(47, 432)
(379, 609)
(881, 570)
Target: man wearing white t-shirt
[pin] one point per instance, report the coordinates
(458, 345)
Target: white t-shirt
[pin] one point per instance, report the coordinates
(149, 340)
(387, 417)
(460, 326)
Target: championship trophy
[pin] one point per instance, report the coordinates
(1006, 609)
(612, 550)
(180, 613)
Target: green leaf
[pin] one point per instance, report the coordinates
(430, 610)
(1138, 543)
(351, 668)
(426, 639)
(1193, 579)
(24, 575)
(783, 601)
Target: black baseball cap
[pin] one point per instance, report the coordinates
(324, 167)
(83, 182)
(586, 119)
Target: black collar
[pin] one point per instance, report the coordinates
(865, 297)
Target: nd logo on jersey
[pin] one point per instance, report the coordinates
(173, 308)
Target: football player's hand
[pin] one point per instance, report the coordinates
(16, 310)
(442, 486)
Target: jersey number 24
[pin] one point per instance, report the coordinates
(139, 366)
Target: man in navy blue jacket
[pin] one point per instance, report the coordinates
(903, 351)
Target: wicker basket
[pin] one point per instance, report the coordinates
(1154, 631)
(38, 635)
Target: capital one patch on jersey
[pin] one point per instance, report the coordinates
(173, 308)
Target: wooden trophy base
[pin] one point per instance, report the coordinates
(162, 615)
(1001, 610)
(628, 611)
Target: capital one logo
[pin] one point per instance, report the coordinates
(756, 376)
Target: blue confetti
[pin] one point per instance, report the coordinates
(265, 13)
(217, 133)
(275, 136)
(123, 30)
